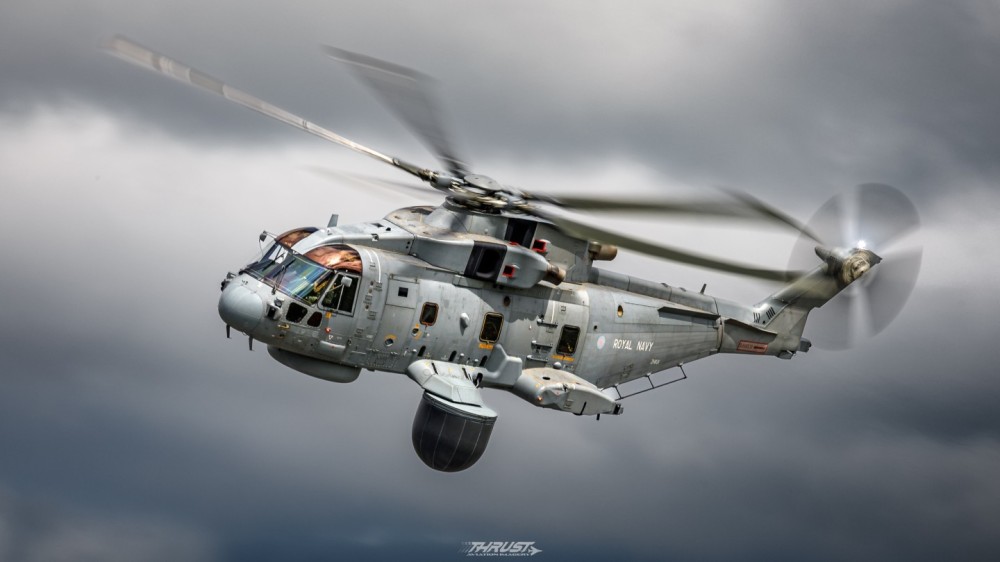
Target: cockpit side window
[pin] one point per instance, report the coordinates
(332, 298)
(350, 284)
(341, 295)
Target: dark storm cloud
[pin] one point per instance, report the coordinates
(770, 96)
(34, 532)
(122, 400)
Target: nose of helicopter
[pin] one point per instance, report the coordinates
(240, 307)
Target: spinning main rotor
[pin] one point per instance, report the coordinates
(406, 94)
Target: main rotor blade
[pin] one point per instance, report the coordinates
(407, 94)
(133, 52)
(420, 191)
(588, 232)
(768, 211)
(748, 208)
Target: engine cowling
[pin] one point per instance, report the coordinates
(449, 436)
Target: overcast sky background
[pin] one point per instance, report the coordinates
(131, 429)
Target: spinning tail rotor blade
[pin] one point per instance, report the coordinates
(884, 215)
(829, 223)
(878, 217)
(407, 94)
(151, 60)
(835, 326)
(895, 279)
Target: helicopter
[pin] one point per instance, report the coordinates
(496, 287)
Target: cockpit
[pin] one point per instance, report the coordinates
(325, 276)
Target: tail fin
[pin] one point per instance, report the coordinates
(774, 325)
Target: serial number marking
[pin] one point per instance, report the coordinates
(748, 346)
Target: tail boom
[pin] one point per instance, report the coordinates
(774, 326)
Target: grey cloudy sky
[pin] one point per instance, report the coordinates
(130, 428)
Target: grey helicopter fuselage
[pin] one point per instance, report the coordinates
(461, 299)
(605, 328)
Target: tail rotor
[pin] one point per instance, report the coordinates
(875, 217)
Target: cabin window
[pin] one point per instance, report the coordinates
(567, 341)
(340, 297)
(485, 261)
(429, 314)
(492, 324)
